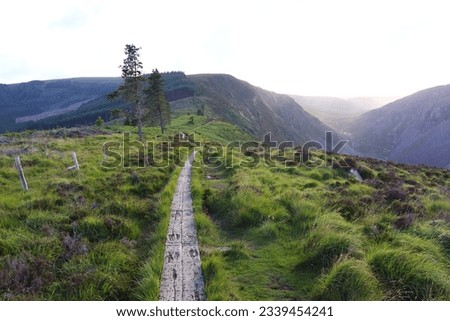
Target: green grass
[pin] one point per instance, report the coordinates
(296, 233)
(151, 270)
(349, 280)
(409, 275)
(266, 232)
(90, 229)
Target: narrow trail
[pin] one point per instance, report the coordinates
(182, 278)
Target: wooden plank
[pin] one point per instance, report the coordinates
(182, 278)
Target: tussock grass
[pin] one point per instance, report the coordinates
(265, 232)
(349, 280)
(321, 241)
(100, 274)
(324, 246)
(217, 284)
(303, 212)
(409, 276)
(436, 205)
(89, 228)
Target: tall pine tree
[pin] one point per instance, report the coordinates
(132, 86)
(155, 100)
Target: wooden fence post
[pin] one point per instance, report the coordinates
(19, 168)
(75, 163)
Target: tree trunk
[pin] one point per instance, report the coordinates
(161, 122)
(139, 109)
(139, 115)
(160, 114)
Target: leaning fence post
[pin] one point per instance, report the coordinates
(75, 162)
(19, 168)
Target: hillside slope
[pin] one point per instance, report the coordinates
(265, 232)
(256, 110)
(252, 109)
(414, 129)
(46, 97)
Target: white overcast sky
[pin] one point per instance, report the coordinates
(305, 47)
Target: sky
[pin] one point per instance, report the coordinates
(342, 48)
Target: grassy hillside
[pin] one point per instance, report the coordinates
(95, 234)
(299, 233)
(51, 96)
(75, 235)
(266, 232)
(35, 97)
(255, 110)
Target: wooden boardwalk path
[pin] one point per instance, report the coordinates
(182, 278)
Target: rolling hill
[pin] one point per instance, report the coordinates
(50, 104)
(414, 129)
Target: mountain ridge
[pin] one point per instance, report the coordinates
(414, 129)
(255, 110)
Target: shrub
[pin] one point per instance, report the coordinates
(350, 162)
(348, 207)
(402, 207)
(395, 194)
(404, 221)
(99, 122)
(24, 276)
(365, 172)
(73, 245)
